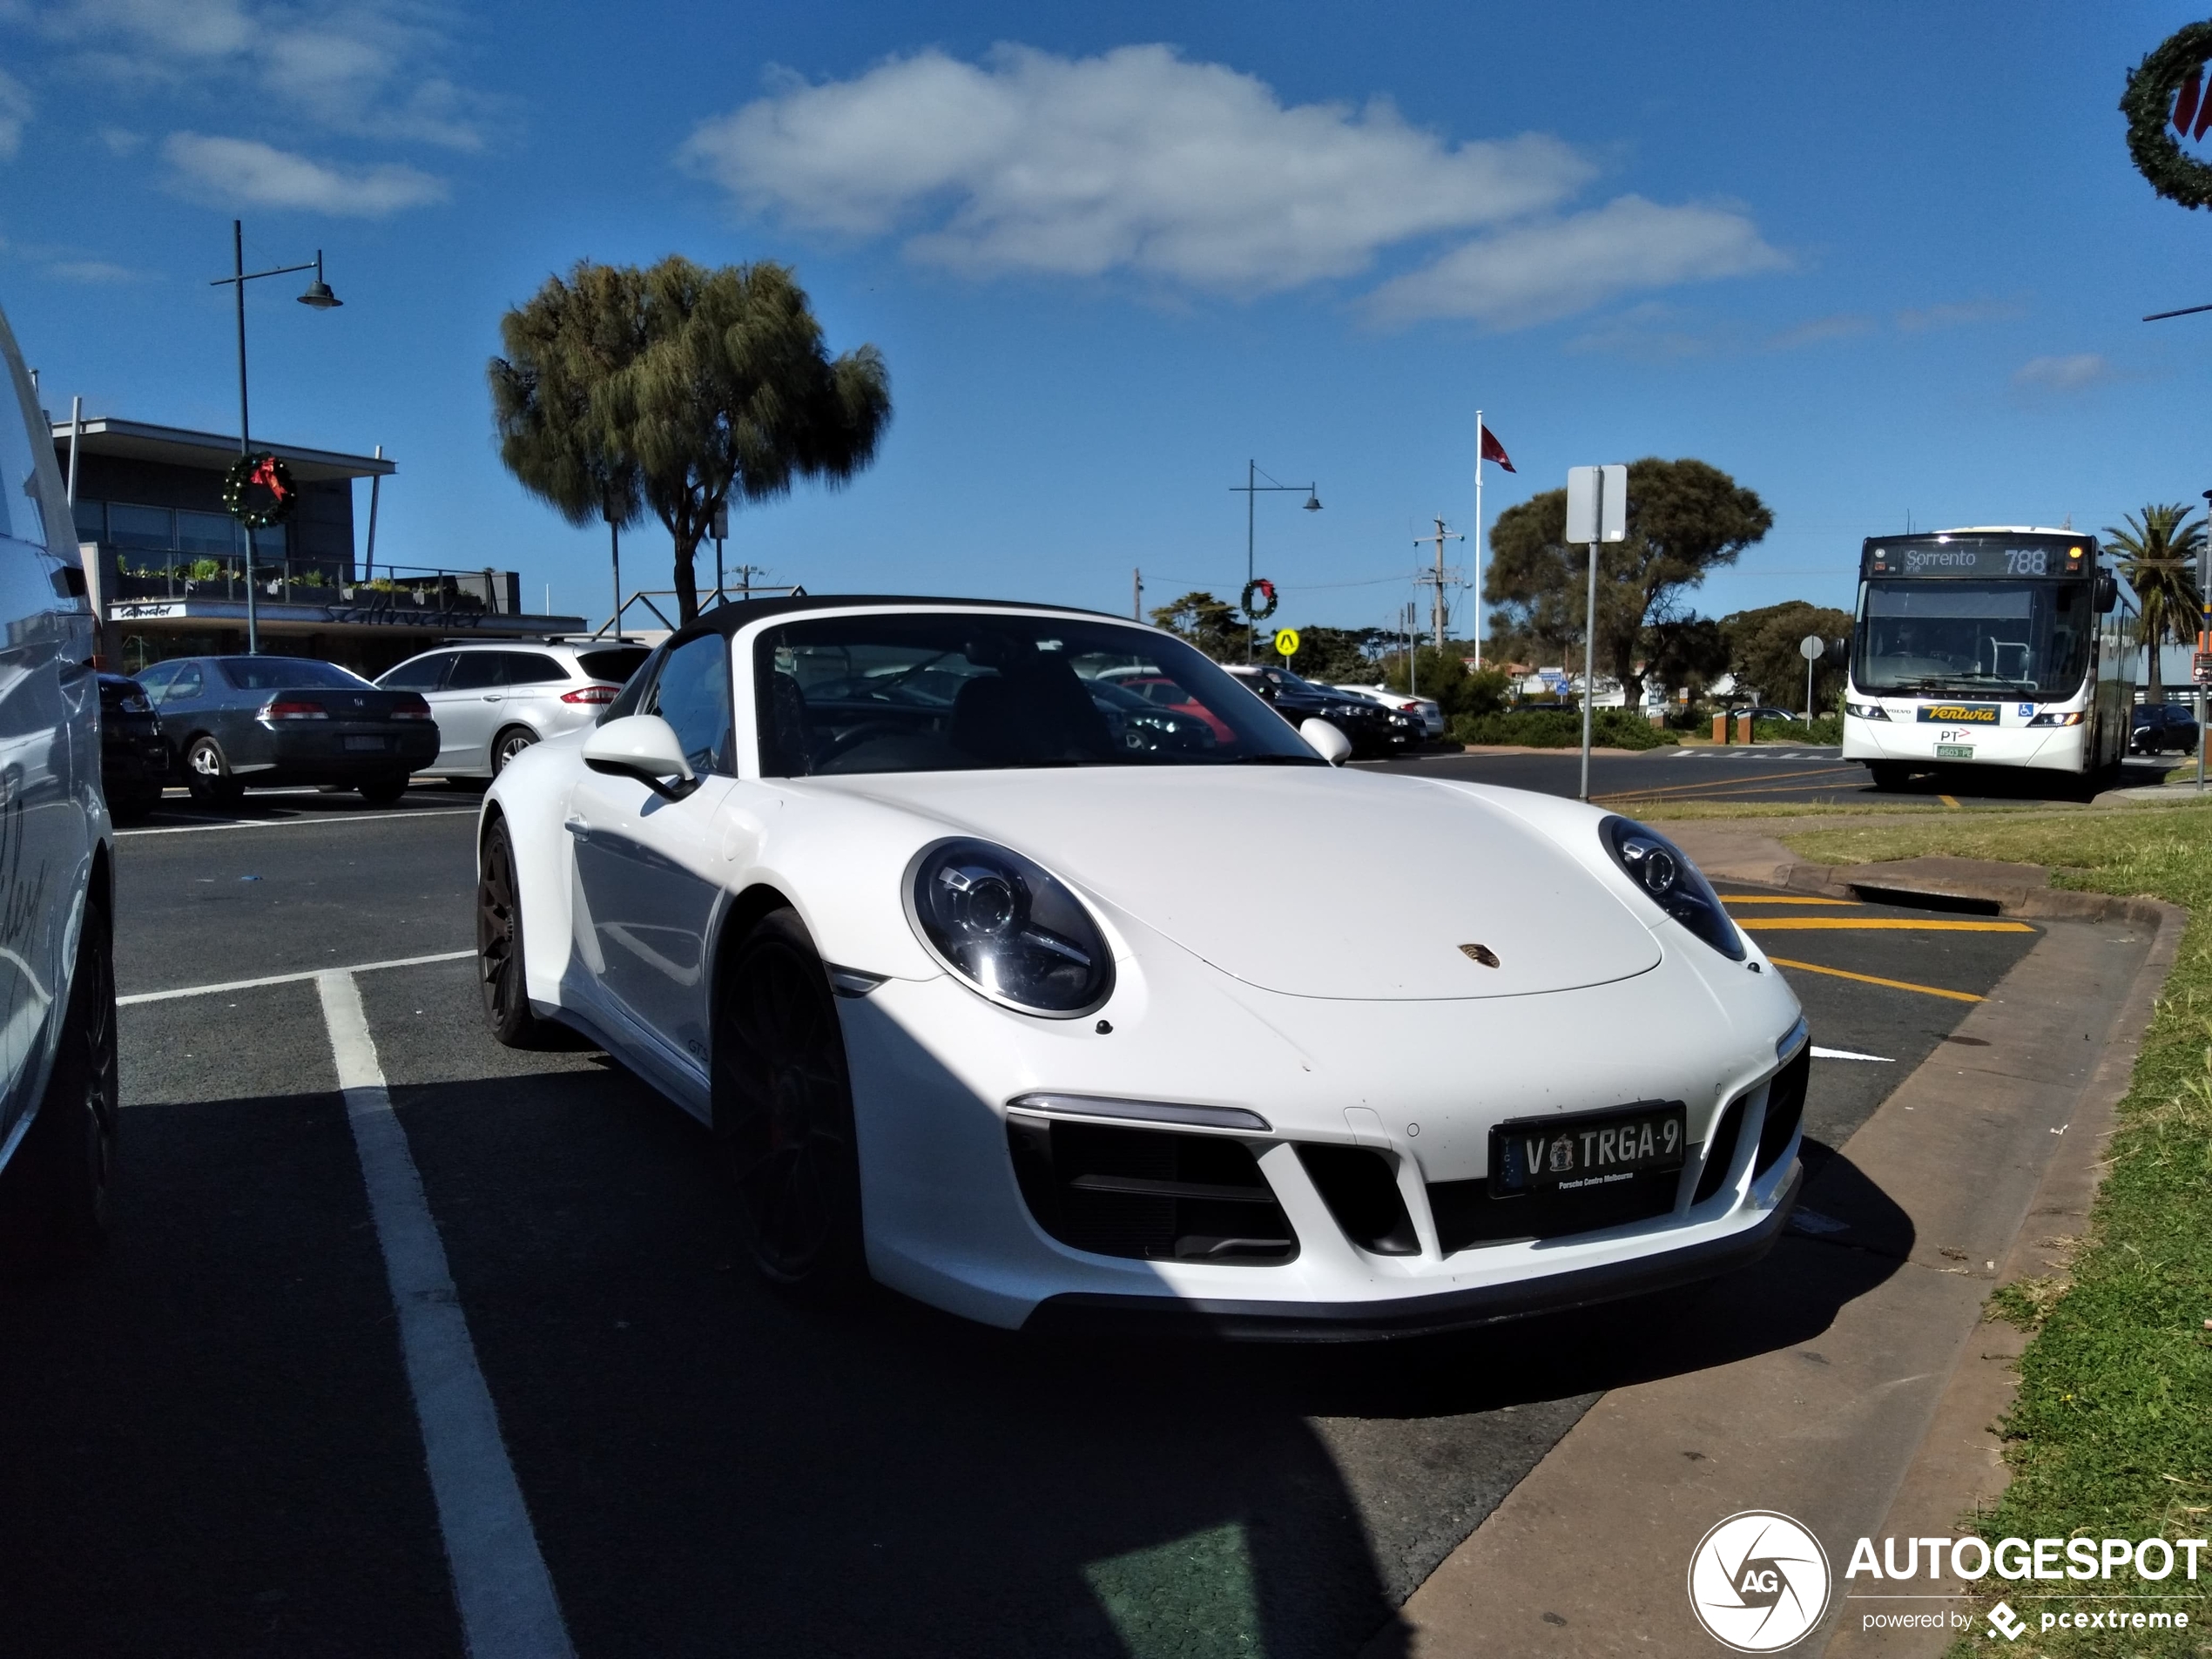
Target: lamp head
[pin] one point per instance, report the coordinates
(1312, 502)
(318, 294)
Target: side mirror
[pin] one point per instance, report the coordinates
(642, 746)
(1326, 741)
(2108, 594)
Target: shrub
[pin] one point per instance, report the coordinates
(1561, 729)
(1829, 728)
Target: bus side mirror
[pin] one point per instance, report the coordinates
(2107, 593)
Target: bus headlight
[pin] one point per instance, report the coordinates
(2073, 718)
(1867, 711)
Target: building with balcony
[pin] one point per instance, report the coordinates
(167, 566)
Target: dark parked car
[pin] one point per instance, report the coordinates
(2156, 728)
(277, 720)
(134, 756)
(1372, 729)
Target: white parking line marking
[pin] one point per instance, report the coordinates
(1846, 1054)
(508, 1607)
(285, 823)
(286, 979)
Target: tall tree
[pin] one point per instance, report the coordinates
(1686, 519)
(561, 349)
(714, 388)
(2159, 553)
(1763, 652)
(1211, 624)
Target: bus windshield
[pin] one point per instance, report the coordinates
(2016, 638)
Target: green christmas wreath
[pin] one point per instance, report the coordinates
(1265, 589)
(258, 491)
(2175, 66)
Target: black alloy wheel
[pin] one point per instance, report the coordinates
(507, 745)
(55, 1195)
(499, 944)
(208, 774)
(383, 792)
(783, 1112)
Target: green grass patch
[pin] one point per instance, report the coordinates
(2111, 1434)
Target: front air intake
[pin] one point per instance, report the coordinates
(1466, 1214)
(1153, 1195)
(1785, 1109)
(1361, 1190)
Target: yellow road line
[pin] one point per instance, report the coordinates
(1666, 790)
(1887, 924)
(1875, 979)
(1765, 898)
(1949, 800)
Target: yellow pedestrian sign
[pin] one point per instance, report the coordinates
(1286, 642)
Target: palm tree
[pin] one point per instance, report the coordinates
(2159, 553)
(547, 397)
(696, 388)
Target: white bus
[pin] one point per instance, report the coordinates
(1989, 647)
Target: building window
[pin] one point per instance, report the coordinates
(91, 521)
(215, 533)
(141, 526)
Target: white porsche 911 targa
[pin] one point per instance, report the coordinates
(1032, 1000)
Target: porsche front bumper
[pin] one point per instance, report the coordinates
(1418, 1085)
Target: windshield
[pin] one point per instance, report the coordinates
(287, 673)
(2017, 638)
(969, 692)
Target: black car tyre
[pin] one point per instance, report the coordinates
(1887, 774)
(783, 1112)
(55, 1194)
(499, 946)
(507, 745)
(383, 792)
(208, 774)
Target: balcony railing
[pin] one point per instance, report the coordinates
(423, 589)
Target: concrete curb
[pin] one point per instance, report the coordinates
(1959, 1469)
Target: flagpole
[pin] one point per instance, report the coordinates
(1478, 541)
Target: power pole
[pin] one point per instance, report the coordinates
(1137, 595)
(1440, 575)
(746, 574)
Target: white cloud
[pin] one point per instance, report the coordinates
(1132, 161)
(94, 272)
(1533, 273)
(121, 141)
(14, 114)
(233, 170)
(1960, 315)
(1842, 325)
(2077, 372)
(371, 68)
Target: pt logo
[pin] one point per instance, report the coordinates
(2006, 1623)
(1758, 1581)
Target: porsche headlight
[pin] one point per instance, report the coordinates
(1665, 875)
(1010, 929)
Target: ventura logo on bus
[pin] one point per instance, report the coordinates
(1959, 713)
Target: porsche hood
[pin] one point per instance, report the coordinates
(1310, 883)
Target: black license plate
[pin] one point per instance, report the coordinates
(372, 744)
(1587, 1151)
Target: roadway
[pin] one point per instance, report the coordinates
(210, 1446)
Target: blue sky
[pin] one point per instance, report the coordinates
(1873, 260)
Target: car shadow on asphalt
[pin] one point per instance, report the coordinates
(703, 1457)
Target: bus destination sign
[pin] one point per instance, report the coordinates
(2052, 557)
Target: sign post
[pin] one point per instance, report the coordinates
(1597, 511)
(1811, 648)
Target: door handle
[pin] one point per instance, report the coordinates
(491, 696)
(577, 828)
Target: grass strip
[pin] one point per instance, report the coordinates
(2111, 1434)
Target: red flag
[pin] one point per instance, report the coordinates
(2185, 102)
(1493, 451)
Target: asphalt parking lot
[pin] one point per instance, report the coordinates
(1768, 773)
(212, 1446)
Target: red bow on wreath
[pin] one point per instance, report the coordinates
(267, 474)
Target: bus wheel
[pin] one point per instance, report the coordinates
(1887, 774)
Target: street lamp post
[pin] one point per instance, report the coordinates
(1251, 489)
(318, 295)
